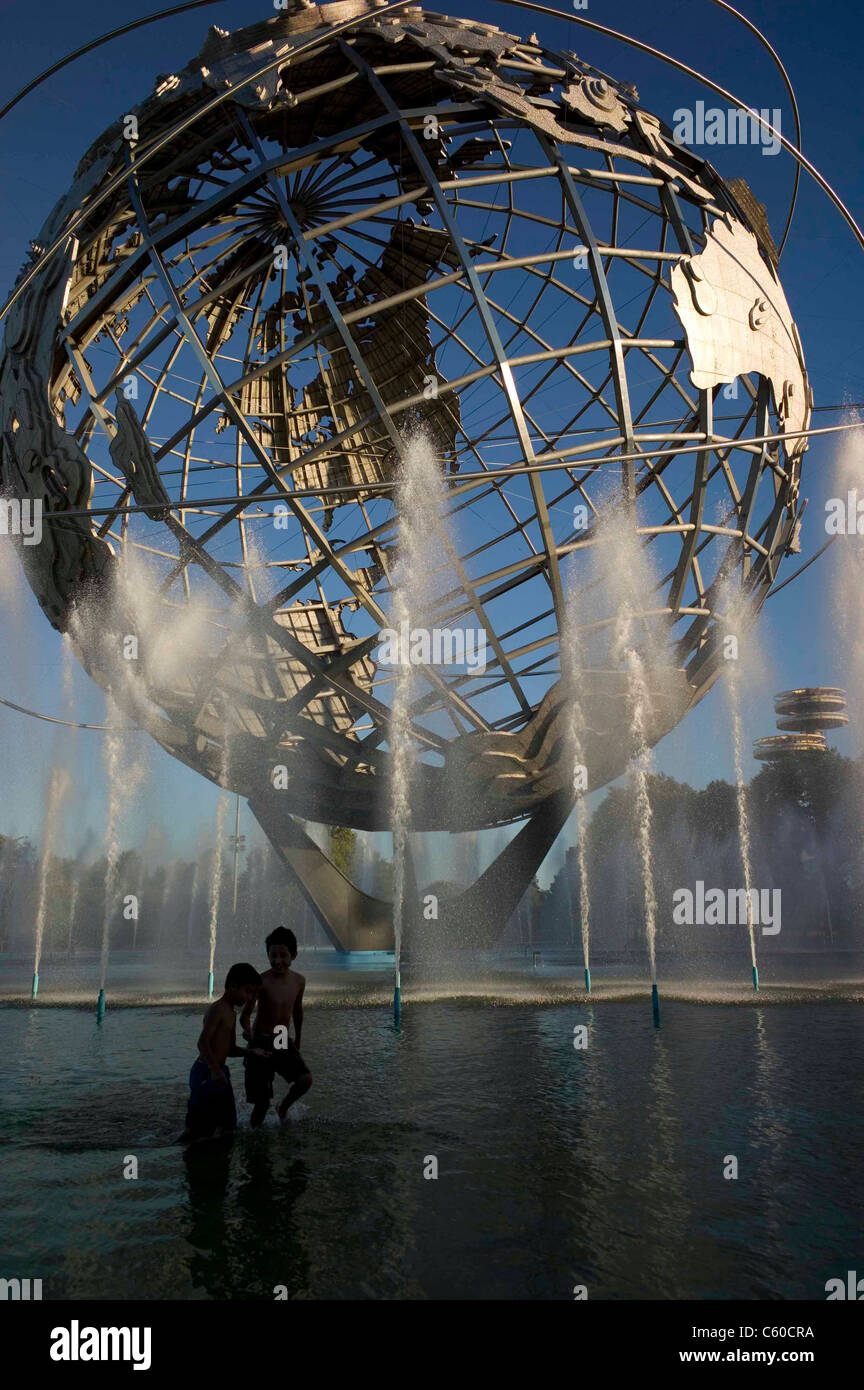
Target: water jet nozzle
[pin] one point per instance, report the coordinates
(397, 999)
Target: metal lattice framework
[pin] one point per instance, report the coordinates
(331, 229)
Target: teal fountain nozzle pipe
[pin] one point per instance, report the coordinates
(100, 1006)
(755, 976)
(209, 984)
(35, 987)
(655, 1006)
(587, 980)
(397, 999)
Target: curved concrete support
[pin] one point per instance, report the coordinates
(478, 916)
(353, 920)
(356, 921)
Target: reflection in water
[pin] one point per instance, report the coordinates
(242, 1194)
(771, 1139)
(556, 1166)
(663, 1126)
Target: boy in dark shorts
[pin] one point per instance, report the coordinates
(211, 1098)
(279, 1003)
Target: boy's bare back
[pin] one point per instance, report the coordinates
(276, 999)
(218, 1036)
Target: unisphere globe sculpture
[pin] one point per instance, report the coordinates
(332, 229)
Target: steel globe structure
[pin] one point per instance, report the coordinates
(332, 229)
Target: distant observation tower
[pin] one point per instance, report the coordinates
(803, 716)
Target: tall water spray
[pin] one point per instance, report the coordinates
(193, 898)
(166, 898)
(221, 818)
(636, 640)
(641, 769)
(111, 757)
(59, 783)
(102, 631)
(735, 624)
(73, 908)
(124, 772)
(422, 550)
(572, 660)
(401, 753)
(584, 892)
(216, 884)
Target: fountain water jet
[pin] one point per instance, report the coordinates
(735, 625)
(193, 898)
(91, 627)
(166, 897)
(216, 885)
(73, 905)
(124, 775)
(422, 541)
(642, 766)
(216, 878)
(628, 575)
(572, 658)
(111, 753)
(59, 783)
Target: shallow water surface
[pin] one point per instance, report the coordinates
(556, 1167)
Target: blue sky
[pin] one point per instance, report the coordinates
(822, 272)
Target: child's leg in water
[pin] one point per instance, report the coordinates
(299, 1088)
(259, 1085)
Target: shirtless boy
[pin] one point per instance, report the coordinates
(279, 1003)
(211, 1098)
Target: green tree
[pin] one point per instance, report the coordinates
(342, 841)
